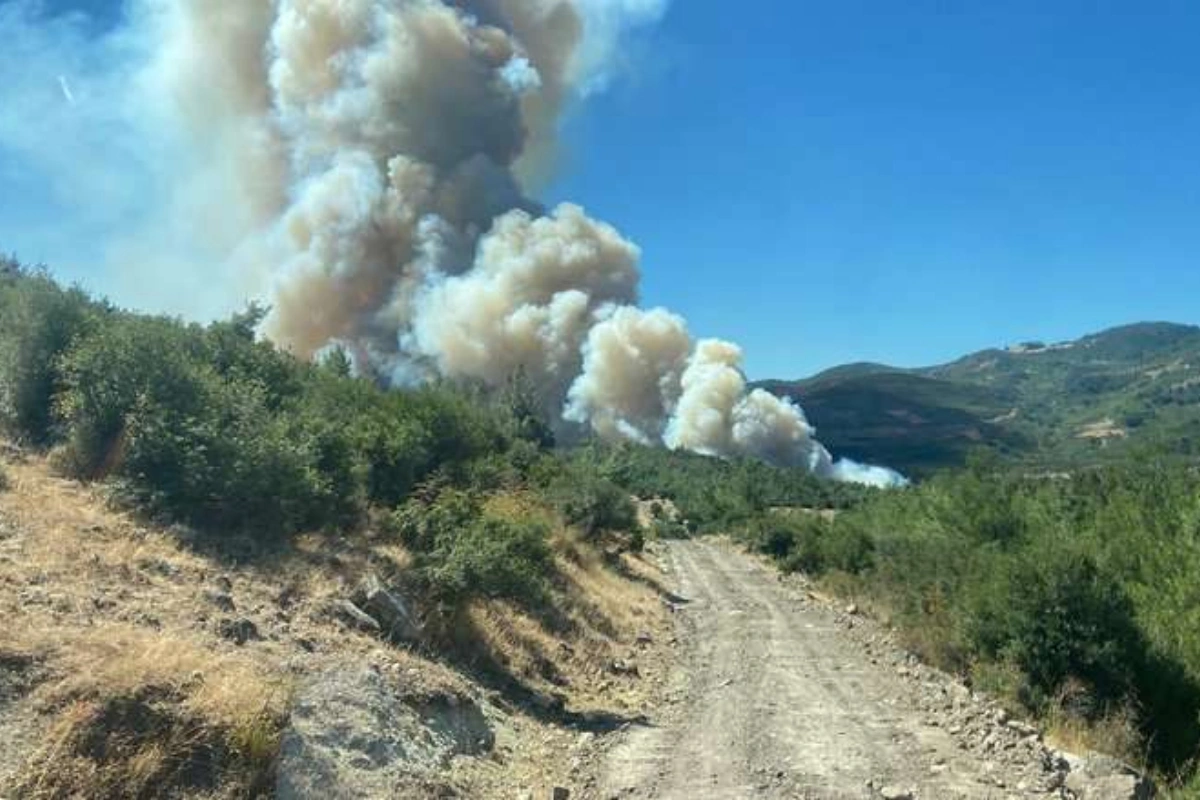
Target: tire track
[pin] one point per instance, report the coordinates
(772, 699)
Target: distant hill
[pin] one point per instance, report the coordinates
(1052, 405)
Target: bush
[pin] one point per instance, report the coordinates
(1055, 616)
(38, 323)
(1087, 582)
(669, 529)
(809, 543)
(712, 494)
(462, 552)
(494, 558)
(212, 441)
(591, 502)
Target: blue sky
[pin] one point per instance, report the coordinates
(903, 182)
(900, 182)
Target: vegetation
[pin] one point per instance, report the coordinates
(1073, 593)
(214, 427)
(1074, 596)
(711, 494)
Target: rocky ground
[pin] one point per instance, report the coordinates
(137, 660)
(779, 693)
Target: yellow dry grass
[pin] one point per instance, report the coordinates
(116, 615)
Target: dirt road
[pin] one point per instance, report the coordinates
(780, 695)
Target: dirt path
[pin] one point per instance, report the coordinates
(779, 695)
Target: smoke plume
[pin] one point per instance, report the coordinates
(365, 165)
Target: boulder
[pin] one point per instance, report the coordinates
(1103, 778)
(353, 733)
(388, 609)
(353, 616)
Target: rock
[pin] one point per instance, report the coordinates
(1023, 728)
(353, 734)
(388, 609)
(1103, 778)
(895, 793)
(238, 631)
(852, 609)
(353, 616)
(620, 666)
(644, 639)
(559, 793)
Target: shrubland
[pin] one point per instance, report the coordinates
(1073, 595)
(213, 426)
(225, 461)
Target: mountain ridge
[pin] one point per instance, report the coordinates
(1056, 405)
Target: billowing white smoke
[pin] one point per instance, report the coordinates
(363, 163)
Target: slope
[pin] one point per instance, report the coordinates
(1054, 406)
(139, 660)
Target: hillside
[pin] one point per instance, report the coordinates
(1056, 405)
(228, 571)
(145, 661)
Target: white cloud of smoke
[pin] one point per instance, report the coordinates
(364, 164)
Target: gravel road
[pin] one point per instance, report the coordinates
(778, 694)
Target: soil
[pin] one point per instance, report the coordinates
(779, 693)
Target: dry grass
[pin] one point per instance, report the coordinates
(598, 614)
(137, 694)
(1115, 733)
(136, 714)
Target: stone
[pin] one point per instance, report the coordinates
(353, 616)
(387, 608)
(1103, 778)
(352, 733)
(560, 793)
(895, 793)
(620, 666)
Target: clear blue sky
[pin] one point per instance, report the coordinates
(894, 181)
(905, 181)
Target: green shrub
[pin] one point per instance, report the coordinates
(1057, 617)
(712, 494)
(773, 535)
(589, 501)
(494, 558)
(669, 529)
(462, 552)
(143, 401)
(38, 323)
(1086, 582)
